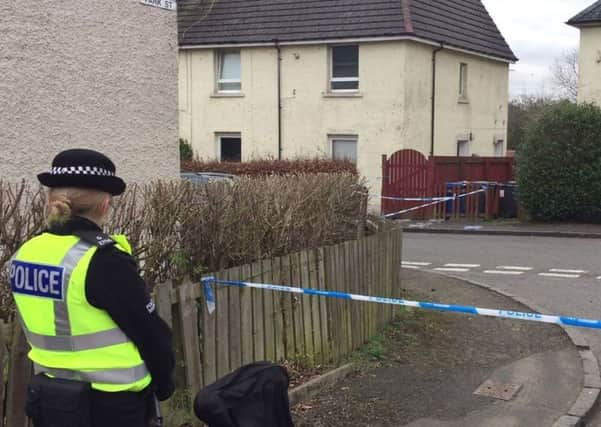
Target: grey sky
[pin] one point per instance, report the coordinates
(537, 33)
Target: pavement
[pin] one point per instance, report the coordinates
(504, 228)
(431, 372)
(578, 411)
(551, 377)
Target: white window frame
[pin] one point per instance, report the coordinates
(218, 80)
(342, 79)
(460, 142)
(463, 76)
(219, 136)
(347, 138)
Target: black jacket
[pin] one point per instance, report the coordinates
(255, 395)
(113, 284)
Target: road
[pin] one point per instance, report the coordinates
(560, 275)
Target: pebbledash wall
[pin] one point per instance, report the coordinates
(100, 75)
(391, 110)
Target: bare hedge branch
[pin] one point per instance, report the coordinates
(178, 228)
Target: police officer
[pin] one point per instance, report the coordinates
(85, 310)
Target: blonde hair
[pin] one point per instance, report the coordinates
(65, 203)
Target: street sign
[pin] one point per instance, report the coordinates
(163, 4)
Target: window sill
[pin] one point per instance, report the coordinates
(343, 94)
(463, 101)
(227, 95)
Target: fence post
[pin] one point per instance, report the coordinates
(258, 310)
(19, 373)
(4, 333)
(188, 314)
(162, 296)
(270, 313)
(324, 313)
(246, 318)
(385, 181)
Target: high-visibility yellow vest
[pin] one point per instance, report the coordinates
(69, 337)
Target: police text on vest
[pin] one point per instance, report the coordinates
(37, 280)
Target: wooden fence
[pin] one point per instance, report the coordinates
(408, 173)
(455, 168)
(251, 324)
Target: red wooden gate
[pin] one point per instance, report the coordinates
(407, 174)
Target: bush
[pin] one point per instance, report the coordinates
(186, 153)
(177, 228)
(268, 167)
(21, 216)
(559, 164)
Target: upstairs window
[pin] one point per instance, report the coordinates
(463, 81)
(229, 71)
(344, 74)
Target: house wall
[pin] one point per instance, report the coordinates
(203, 114)
(103, 76)
(390, 112)
(483, 113)
(589, 86)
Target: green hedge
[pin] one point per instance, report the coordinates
(559, 164)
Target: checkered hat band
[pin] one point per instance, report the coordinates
(81, 170)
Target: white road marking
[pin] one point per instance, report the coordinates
(559, 270)
(422, 264)
(514, 273)
(514, 267)
(457, 270)
(411, 267)
(463, 265)
(563, 276)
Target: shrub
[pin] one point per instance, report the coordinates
(559, 164)
(21, 216)
(177, 228)
(267, 167)
(186, 153)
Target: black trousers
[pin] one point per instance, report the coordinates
(121, 409)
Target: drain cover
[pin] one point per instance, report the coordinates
(503, 391)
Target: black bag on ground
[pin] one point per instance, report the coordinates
(254, 395)
(56, 402)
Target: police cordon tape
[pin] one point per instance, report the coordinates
(474, 311)
(442, 200)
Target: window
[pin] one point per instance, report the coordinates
(230, 147)
(344, 148)
(463, 148)
(463, 81)
(499, 147)
(228, 71)
(344, 75)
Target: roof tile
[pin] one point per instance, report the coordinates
(589, 15)
(460, 23)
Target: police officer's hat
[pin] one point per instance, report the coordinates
(82, 168)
